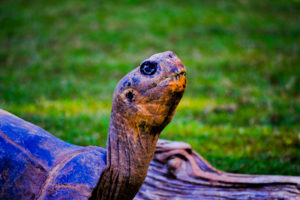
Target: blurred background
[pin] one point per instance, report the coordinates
(60, 61)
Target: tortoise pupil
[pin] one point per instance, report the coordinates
(148, 68)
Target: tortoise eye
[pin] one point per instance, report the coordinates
(148, 68)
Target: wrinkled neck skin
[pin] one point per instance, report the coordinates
(130, 148)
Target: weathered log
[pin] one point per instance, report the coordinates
(178, 172)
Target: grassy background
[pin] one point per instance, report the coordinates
(60, 61)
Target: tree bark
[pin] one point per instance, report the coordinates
(178, 172)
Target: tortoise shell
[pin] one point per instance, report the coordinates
(36, 165)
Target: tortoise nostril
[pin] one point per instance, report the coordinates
(171, 55)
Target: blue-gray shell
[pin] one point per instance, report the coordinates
(36, 165)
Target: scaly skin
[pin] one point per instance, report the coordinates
(142, 106)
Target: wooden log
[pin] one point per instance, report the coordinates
(178, 172)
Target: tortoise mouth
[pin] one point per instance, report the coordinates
(173, 78)
(176, 76)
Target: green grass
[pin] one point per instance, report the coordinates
(60, 61)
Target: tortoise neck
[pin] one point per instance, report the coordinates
(129, 151)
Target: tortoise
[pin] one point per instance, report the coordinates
(36, 165)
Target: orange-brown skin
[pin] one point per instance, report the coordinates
(142, 106)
